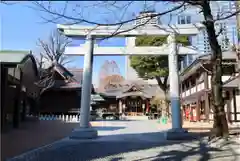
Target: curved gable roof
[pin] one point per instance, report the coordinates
(14, 57)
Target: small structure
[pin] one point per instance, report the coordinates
(18, 90)
(63, 91)
(196, 86)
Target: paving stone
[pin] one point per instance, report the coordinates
(138, 140)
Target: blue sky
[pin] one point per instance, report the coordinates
(21, 32)
(22, 26)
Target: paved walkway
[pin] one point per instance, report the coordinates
(131, 141)
(33, 134)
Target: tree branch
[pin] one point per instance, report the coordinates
(78, 20)
(220, 32)
(53, 49)
(228, 16)
(160, 83)
(165, 81)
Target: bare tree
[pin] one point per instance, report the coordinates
(52, 51)
(78, 16)
(39, 60)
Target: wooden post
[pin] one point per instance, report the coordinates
(181, 90)
(237, 4)
(235, 105)
(198, 108)
(190, 86)
(23, 114)
(228, 104)
(17, 103)
(206, 97)
(120, 106)
(207, 108)
(196, 82)
(206, 86)
(4, 85)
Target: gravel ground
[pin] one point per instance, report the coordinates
(132, 141)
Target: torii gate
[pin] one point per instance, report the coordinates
(89, 49)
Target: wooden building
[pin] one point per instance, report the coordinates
(18, 90)
(63, 92)
(196, 86)
(129, 97)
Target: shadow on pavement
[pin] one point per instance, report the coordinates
(123, 120)
(132, 147)
(33, 134)
(232, 129)
(107, 128)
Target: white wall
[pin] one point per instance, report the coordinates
(238, 105)
(224, 78)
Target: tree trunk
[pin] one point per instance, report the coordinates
(166, 104)
(163, 86)
(220, 127)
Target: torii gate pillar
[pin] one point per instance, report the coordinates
(86, 132)
(174, 82)
(177, 132)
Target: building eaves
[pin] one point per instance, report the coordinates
(197, 63)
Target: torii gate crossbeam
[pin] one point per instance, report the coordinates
(88, 51)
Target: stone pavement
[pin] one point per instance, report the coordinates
(131, 141)
(33, 134)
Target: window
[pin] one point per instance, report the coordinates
(218, 15)
(188, 19)
(185, 62)
(180, 19)
(184, 19)
(190, 59)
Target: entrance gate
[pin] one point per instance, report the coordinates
(89, 49)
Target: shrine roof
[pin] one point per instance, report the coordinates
(71, 78)
(125, 89)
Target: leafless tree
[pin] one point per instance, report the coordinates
(39, 60)
(78, 15)
(52, 50)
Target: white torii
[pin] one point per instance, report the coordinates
(89, 49)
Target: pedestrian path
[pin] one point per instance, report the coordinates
(130, 141)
